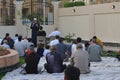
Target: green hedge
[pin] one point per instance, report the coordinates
(72, 4)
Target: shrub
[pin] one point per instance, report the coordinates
(72, 4)
(69, 36)
(34, 15)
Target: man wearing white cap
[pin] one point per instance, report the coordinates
(35, 27)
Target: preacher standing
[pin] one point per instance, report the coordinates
(35, 27)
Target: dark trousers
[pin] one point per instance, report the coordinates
(50, 70)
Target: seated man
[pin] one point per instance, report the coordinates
(95, 51)
(54, 61)
(80, 59)
(32, 62)
(71, 73)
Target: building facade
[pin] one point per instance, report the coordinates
(7, 12)
(40, 9)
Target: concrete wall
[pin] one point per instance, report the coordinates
(13, 30)
(101, 20)
(7, 29)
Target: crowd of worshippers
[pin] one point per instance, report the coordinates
(56, 52)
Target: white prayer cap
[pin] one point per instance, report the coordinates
(35, 19)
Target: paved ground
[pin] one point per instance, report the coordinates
(107, 69)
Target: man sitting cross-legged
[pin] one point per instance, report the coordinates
(54, 61)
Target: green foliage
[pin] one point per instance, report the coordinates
(1, 75)
(72, 4)
(22, 60)
(68, 4)
(7, 20)
(34, 15)
(69, 36)
(110, 54)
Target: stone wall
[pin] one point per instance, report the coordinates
(101, 20)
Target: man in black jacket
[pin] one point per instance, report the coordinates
(35, 27)
(32, 62)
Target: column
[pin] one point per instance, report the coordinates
(92, 25)
(18, 16)
(56, 13)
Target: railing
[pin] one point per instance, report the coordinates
(43, 11)
(7, 13)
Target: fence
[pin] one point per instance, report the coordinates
(41, 10)
(7, 13)
(31, 8)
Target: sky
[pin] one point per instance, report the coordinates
(107, 69)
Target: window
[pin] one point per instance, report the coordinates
(39, 1)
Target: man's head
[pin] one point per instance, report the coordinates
(79, 46)
(94, 40)
(32, 49)
(79, 39)
(16, 35)
(56, 29)
(60, 40)
(53, 48)
(57, 37)
(7, 34)
(94, 37)
(19, 37)
(72, 73)
(35, 19)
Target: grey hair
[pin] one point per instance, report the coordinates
(79, 46)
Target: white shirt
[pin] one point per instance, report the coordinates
(74, 48)
(46, 51)
(0, 41)
(55, 33)
(6, 46)
(20, 47)
(83, 46)
(16, 41)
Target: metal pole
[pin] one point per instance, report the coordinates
(4, 12)
(11, 16)
(44, 11)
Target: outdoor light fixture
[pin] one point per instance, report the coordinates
(113, 6)
(73, 10)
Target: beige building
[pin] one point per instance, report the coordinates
(36, 7)
(7, 12)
